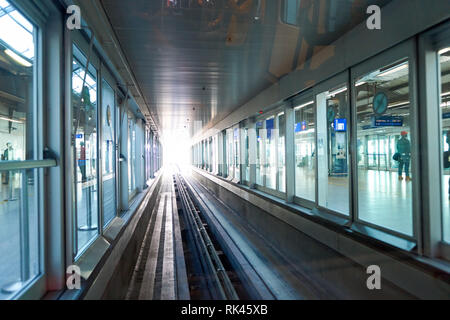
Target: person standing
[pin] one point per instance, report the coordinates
(404, 149)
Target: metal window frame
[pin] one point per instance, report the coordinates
(273, 113)
(429, 43)
(36, 287)
(338, 80)
(80, 40)
(300, 99)
(405, 50)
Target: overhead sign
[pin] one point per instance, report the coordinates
(387, 121)
(301, 126)
(340, 125)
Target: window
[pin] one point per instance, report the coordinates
(270, 148)
(246, 156)
(305, 150)
(131, 155)
(84, 129)
(384, 134)
(444, 63)
(109, 153)
(236, 155)
(19, 209)
(260, 135)
(281, 160)
(230, 157)
(289, 11)
(332, 149)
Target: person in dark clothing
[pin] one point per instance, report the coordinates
(404, 149)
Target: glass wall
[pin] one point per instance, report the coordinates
(84, 129)
(131, 155)
(270, 152)
(281, 159)
(259, 153)
(444, 64)
(19, 206)
(384, 147)
(230, 157)
(305, 151)
(332, 149)
(236, 155)
(109, 153)
(246, 162)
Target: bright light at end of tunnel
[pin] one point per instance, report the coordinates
(177, 149)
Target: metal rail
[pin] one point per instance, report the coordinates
(224, 285)
(27, 164)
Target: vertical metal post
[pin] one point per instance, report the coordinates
(24, 230)
(252, 152)
(289, 147)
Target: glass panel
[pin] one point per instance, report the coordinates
(271, 163)
(19, 231)
(19, 214)
(281, 153)
(131, 154)
(16, 35)
(230, 153)
(383, 118)
(109, 153)
(290, 11)
(305, 147)
(247, 159)
(84, 128)
(259, 153)
(236, 149)
(332, 147)
(225, 156)
(444, 60)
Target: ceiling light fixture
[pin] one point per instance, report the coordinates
(304, 105)
(360, 83)
(332, 94)
(444, 51)
(398, 104)
(393, 70)
(11, 120)
(18, 58)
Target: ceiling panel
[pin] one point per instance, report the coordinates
(200, 60)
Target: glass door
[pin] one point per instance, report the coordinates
(108, 153)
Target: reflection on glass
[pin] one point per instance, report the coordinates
(281, 153)
(270, 146)
(109, 153)
(246, 154)
(305, 147)
(236, 158)
(230, 153)
(131, 155)
(84, 129)
(19, 214)
(290, 11)
(444, 59)
(259, 153)
(383, 134)
(19, 232)
(332, 149)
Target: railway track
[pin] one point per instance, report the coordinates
(210, 274)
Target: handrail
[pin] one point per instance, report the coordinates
(27, 164)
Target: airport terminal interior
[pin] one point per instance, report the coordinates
(224, 149)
